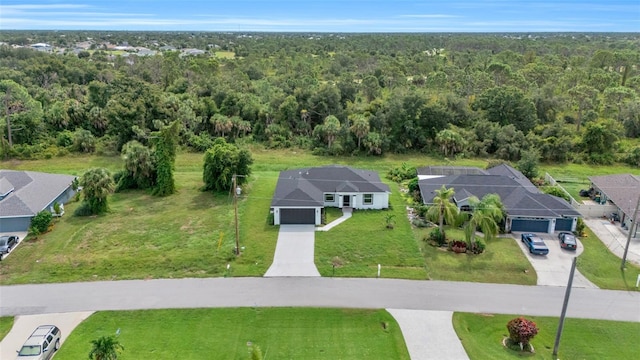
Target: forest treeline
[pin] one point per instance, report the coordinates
(558, 97)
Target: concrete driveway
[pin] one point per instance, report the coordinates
(24, 325)
(21, 235)
(294, 254)
(553, 269)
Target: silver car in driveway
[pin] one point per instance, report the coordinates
(43, 342)
(7, 242)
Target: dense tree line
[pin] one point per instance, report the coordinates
(566, 97)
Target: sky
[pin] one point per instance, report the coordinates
(324, 15)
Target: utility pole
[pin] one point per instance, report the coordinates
(632, 228)
(235, 207)
(567, 293)
(236, 192)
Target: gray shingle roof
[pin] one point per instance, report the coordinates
(307, 186)
(508, 171)
(33, 191)
(622, 189)
(516, 199)
(450, 170)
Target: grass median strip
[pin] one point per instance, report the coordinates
(281, 333)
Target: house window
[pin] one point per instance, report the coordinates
(367, 199)
(329, 198)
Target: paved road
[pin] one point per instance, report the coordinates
(318, 292)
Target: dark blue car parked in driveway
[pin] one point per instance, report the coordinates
(535, 244)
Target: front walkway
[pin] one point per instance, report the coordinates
(429, 334)
(346, 214)
(294, 255)
(613, 238)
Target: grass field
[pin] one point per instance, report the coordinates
(281, 333)
(6, 322)
(482, 335)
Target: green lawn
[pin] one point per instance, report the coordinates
(6, 322)
(482, 334)
(501, 262)
(281, 333)
(363, 242)
(602, 267)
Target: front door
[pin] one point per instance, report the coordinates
(346, 200)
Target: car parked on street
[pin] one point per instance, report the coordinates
(8, 242)
(535, 244)
(43, 342)
(567, 240)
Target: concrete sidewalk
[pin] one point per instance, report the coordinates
(429, 334)
(24, 325)
(346, 214)
(613, 238)
(294, 254)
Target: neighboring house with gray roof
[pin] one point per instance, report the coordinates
(23, 194)
(528, 210)
(623, 191)
(302, 194)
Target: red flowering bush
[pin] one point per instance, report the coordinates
(521, 331)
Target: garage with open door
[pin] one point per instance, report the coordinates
(530, 225)
(297, 216)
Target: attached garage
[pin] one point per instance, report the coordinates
(530, 225)
(564, 224)
(297, 216)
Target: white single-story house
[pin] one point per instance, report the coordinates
(23, 194)
(527, 208)
(302, 194)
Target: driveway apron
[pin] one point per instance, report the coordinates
(429, 334)
(553, 269)
(24, 325)
(294, 252)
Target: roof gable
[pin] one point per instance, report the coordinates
(33, 191)
(315, 182)
(516, 199)
(622, 189)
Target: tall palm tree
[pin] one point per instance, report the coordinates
(105, 348)
(97, 184)
(443, 209)
(485, 215)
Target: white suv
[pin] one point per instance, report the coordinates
(43, 342)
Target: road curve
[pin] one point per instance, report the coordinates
(317, 292)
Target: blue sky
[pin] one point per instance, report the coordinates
(324, 15)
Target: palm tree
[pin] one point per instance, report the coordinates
(97, 184)
(105, 348)
(443, 208)
(485, 215)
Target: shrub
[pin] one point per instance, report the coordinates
(580, 227)
(458, 246)
(40, 223)
(437, 236)
(84, 141)
(404, 172)
(521, 331)
(83, 210)
(478, 246)
(556, 191)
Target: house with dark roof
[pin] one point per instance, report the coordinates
(23, 194)
(623, 191)
(302, 194)
(528, 209)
